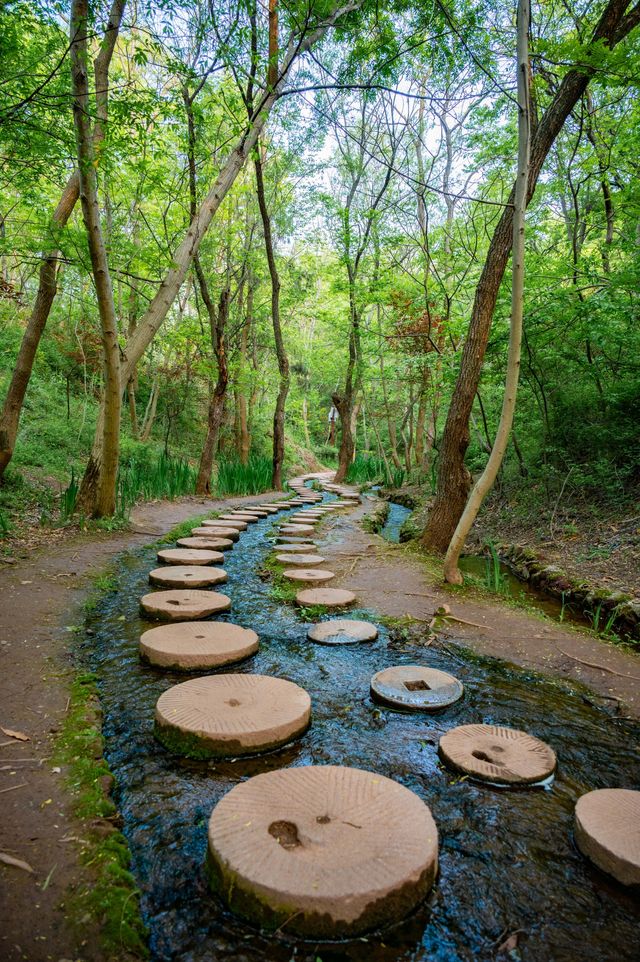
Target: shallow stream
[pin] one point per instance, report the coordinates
(507, 858)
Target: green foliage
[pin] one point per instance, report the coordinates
(233, 477)
(109, 894)
(366, 467)
(143, 478)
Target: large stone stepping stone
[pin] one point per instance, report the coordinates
(294, 539)
(197, 645)
(304, 560)
(187, 576)
(236, 525)
(495, 754)
(211, 532)
(292, 549)
(184, 604)
(214, 544)
(342, 631)
(236, 520)
(607, 830)
(322, 851)
(308, 575)
(329, 597)
(189, 556)
(297, 529)
(249, 518)
(222, 715)
(416, 687)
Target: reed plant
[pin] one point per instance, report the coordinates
(233, 477)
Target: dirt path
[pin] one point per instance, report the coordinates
(40, 599)
(392, 580)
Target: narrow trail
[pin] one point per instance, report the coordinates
(41, 598)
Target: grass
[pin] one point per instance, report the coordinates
(233, 477)
(109, 895)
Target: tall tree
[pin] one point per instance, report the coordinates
(485, 481)
(47, 286)
(105, 501)
(454, 479)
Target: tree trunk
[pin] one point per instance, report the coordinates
(47, 287)
(453, 476)
(283, 360)
(218, 396)
(104, 503)
(452, 572)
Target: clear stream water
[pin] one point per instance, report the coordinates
(507, 858)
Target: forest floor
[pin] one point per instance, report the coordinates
(42, 593)
(600, 546)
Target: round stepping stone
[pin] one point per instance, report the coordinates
(297, 529)
(495, 754)
(249, 518)
(187, 576)
(305, 560)
(607, 830)
(222, 715)
(330, 597)
(294, 539)
(184, 604)
(211, 532)
(308, 575)
(235, 520)
(322, 851)
(342, 631)
(189, 556)
(416, 687)
(206, 544)
(292, 549)
(197, 645)
(236, 525)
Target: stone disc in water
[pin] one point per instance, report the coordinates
(330, 597)
(210, 532)
(184, 604)
(235, 520)
(305, 560)
(297, 529)
(187, 576)
(495, 754)
(225, 715)
(322, 851)
(294, 539)
(416, 687)
(244, 516)
(342, 631)
(292, 549)
(607, 830)
(197, 645)
(308, 575)
(189, 556)
(215, 544)
(236, 525)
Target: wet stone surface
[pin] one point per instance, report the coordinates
(507, 857)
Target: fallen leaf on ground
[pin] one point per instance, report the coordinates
(16, 862)
(19, 735)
